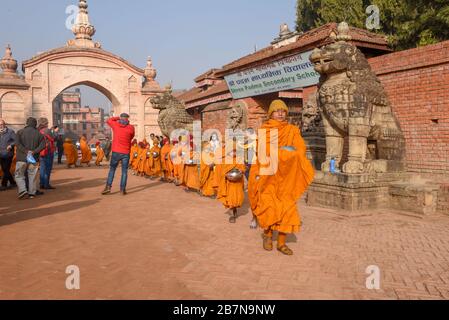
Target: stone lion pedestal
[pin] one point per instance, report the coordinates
(352, 192)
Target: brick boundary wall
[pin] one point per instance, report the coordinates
(417, 83)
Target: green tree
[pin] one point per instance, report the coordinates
(406, 23)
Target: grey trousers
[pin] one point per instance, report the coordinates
(21, 169)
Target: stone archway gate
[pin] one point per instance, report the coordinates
(80, 62)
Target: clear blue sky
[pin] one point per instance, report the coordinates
(185, 38)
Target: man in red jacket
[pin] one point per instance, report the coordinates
(123, 134)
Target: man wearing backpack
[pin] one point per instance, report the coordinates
(48, 154)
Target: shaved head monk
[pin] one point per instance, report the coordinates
(274, 195)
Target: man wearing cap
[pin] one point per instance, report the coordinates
(123, 134)
(277, 181)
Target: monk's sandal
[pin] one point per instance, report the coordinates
(285, 250)
(267, 242)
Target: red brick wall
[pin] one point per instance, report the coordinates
(417, 83)
(215, 119)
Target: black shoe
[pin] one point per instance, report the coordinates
(106, 190)
(39, 193)
(2, 188)
(49, 188)
(123, 192)
(22, 195)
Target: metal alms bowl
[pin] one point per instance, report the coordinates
(155, 154)
(235, 175)
(190, 162)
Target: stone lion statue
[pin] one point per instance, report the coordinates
(172, 113)
(355, 107)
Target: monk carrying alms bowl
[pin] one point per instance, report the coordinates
(274, 194)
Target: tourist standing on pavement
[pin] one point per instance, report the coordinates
(123, 134)
(7, 143)
(29, 142)
(107, 148)
(47, 155)
(274, 193)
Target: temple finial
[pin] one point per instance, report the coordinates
(8, 64)
(343, 32)
(83, 29)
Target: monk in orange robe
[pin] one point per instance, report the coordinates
(277, 183)
(207, 171)
(179, 153)
(230, 193)
(148, 164)
(167, 165)
(133, 154)
(100, 154)
(156, 165)
(86, 154)
(175, 156)
(191, 173)
(70, 152)
(142, 159)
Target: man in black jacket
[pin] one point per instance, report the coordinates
(7, 143)
(29, 142)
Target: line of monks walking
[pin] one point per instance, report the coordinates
(274, 186)
(71, 153)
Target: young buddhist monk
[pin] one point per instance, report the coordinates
(142, 159)
(167, 165)
(155, 162)
(133, 154)
(207, 171)
(86, 154)
(100, 154)
(191, 175)
(230, 192)
(274, 193)
(70, 152)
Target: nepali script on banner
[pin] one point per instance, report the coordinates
(288, 73)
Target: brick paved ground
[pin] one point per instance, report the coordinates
(162, 243)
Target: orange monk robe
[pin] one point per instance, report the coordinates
(207, 173)
(86, 154)
(71, 153)
(148, 162)
(100, 155)
(230, 194)
(156, 165)
(167, 165)
(133, 155)
(142, 161)
(274, 196)
(178, 164)
(191, 177)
